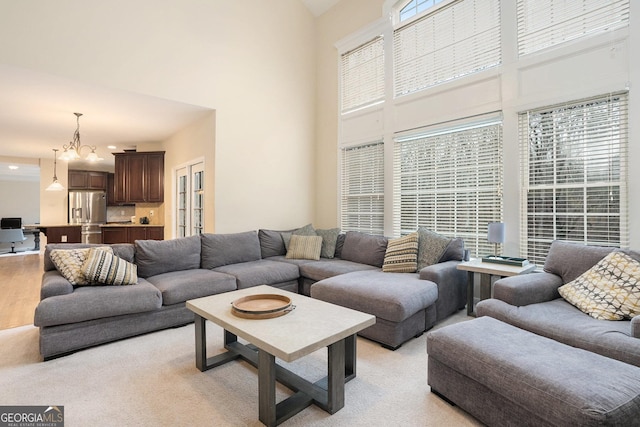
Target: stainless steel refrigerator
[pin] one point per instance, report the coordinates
(88, 208)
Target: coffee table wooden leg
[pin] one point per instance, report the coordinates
(201, 343)
(335, 385)
(267, 388)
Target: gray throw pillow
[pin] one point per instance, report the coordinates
(225, 249)
(272, 243)
(364, 248)
(155, 257)
(339, 245)
(454, 251)
(329, 240)
(431, 246)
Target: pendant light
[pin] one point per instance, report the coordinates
(55, 185)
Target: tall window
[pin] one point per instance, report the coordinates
(450, 180)
(363, 75)
(455, 40)
(415, 7)
(190, 199)
(574, 165)
(545, 23)
(362, 196)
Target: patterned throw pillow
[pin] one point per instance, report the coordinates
(104, 268)
(402, 255)
(610, 290)
(304, 247)
(69, 263)
(431, 246)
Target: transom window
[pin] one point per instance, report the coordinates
(415, 7)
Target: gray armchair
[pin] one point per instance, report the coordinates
(12, 235)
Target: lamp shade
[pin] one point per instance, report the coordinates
(496, 232)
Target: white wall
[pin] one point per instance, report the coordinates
(576, 70)
(20, 200)
(251, 61)
(196, 141)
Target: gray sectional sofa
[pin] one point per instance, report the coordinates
(173, 271)
(533, 358)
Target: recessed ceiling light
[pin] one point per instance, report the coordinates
(111, 147)
(13, 167)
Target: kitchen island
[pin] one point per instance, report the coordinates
(63, 233)
(130, 232)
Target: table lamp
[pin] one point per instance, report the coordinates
(496, 235)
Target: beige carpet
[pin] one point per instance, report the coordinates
(152, 380)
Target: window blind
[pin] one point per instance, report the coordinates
(455, 40)
(450, 181)
(362, 195)
(574, 166)
(362, 72)
(545, 23)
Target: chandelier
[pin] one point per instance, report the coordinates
(72, 151)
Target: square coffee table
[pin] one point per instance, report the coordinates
(312, 325)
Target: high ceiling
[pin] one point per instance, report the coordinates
(37, 115)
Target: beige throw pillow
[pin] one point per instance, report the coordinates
(104, 268)
(402, 255)
(610, 290)
(69, 263)
(304, 247)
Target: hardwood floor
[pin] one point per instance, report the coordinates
(20, 277)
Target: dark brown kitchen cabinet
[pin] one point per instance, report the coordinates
(87, 180)
(130, 234)
(139, 177)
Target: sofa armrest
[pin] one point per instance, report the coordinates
(452, 286)
(635, 327)
(527, 289)
(53, 284)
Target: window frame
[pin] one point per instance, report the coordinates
(565, 189)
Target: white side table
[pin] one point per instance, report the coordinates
(488, 270)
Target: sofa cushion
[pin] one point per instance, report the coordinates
(391, 296)
(69, 263)
(609, 290)
(364, 248)
(225, 249)
(105, 268)
(180, 286)
(304, 247)
(562, 322)
(339, 245)
(324, 268)
(123, 250)
(329, 240)
(569, 259)
(161, 256)
(431, 247)
(261, 272)
(96, 302)
(401, 255)
(272, 243)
